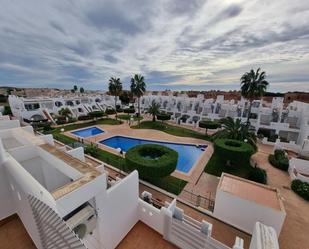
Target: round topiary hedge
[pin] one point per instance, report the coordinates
(163, 116)
(233, 150)
(151, 160)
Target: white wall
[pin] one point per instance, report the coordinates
(77, 153)
(118, 210)
(24, 211)
(8, 124)
(151, 216)
(243, 214)
(7, 207)
(263, 236)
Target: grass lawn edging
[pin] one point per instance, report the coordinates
(171, 129)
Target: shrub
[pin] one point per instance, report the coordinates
(301, 188)
(61, 120)
(7, 110)
(163, 116)
(237, 152)
(258, 175)
(110, 111)
(209, 124)
(84, 117)
(92, 150)
(129, 110)
(152, 160)
(279, 160)
(96, 114)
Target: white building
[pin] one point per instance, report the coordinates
(64, 202)
(45, 107)
(290, 124)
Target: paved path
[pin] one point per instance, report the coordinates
(295, 232)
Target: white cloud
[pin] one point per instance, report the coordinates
(173, 43)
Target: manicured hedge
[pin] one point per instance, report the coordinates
(84, 117)
(258, 175)
(301, 188)
(152, 160)
(163, 116)
(207, 124)
(110, 111)
(233, 150)
(96, 114)
(279, 160)
(129, 110)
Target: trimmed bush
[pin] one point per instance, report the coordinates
(96, 114)
(258, 175)
(92, 150)
(151, 160)
(84, 117)
(163, 116)
(129, 110)
(7, 110)
(207, 124)
(110, 111)
(301, 188)
(279, 160)
(237, 152)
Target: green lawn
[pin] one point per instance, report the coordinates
(169, 183)
(170, 129)
(69, 127)
(128, 116)
(216, 165)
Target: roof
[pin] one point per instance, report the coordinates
(251, 191)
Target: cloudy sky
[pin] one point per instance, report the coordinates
(175, 44)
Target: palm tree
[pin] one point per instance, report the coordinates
(253, 86)
(154, 109)
(138, 88)
(115, 88)
(235, 129)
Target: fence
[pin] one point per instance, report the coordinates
(198, 200)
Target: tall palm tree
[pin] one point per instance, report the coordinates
(253, 86)
(138, 88)
(115, 88)
(154, 109)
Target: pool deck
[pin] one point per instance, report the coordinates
(191, 177)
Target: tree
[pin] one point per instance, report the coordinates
(236, 130)
(65, 112)
(138, 88)
(207, 124)
(153, 110)
(115, 88)
(124, 98)
(82, 90)
(253, 86)
(75, 88)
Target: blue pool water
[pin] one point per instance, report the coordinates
(88, 132)
(187, 154)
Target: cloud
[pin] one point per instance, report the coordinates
(177, 44)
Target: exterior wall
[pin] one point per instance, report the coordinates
(118, 210)
(9, 124)
(244, 214)
(152, 216)
(263, 237)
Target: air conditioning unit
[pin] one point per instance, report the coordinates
(83, 222)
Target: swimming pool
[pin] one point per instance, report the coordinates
(187, 154)
(88, 132)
